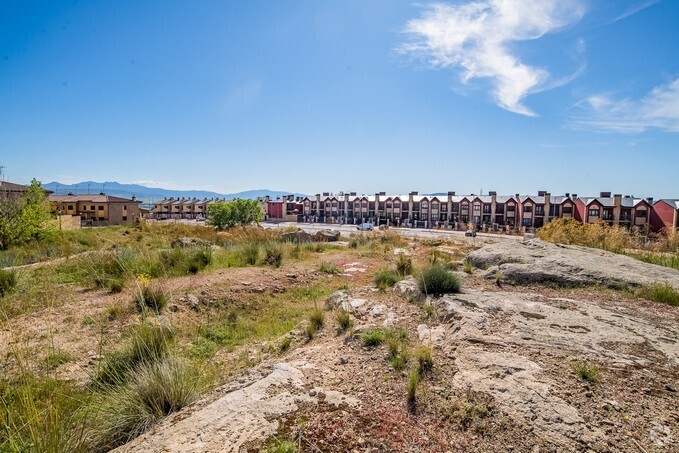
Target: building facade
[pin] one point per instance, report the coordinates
(490, 212)
(97, 210)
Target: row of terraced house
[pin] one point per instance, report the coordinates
(184, 208)
(490, 212)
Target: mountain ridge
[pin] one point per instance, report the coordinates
(150, 194)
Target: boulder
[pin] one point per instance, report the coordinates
(189, 242)
(536, 261)
(327, 236)
(296, 236)
(408, 289)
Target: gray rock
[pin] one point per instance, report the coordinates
(327, 236)
(189, 242)
(536, 261)
(296, 236)
(193, 301)
(408, 289)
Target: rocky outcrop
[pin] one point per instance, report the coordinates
(408, 289)
(536, 261)
(241, 416)
(327, 236)
(298, 236)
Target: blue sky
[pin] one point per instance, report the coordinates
(365, 95)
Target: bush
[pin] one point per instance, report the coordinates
(285, 344)
(116, 285)
(152, 298)
(404, 265)
(598, 235)
(373, 337)
(385, 279)
(437, 280)
(344, 321)
(282, 446)
(8, 280)
(468, 266)
(663, 293)
(273, 254)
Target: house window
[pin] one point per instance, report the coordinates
(568, 209)
(124, 218)
(125, 207)
(641, 213)
(594, 213)
(101, 208)
(528, 208)
(477, 207)
(101, 219)
(70, 207)
(539, 210)
(526, 222)
(511, 207)
(486, 208)
(91, 208)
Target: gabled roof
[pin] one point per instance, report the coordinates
(90, 199)
(673, 202)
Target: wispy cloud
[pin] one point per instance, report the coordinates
(658, 109)
(475, 38)
(633, 10)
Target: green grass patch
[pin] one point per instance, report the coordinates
(386, 279)
(586, 371)
(663, 293)
(436, 280)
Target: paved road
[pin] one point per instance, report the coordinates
(409, 232)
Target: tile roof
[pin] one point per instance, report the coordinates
(90, 199)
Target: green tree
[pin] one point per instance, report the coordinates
(223, 215)
(28, 217)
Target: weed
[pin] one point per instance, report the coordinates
(468, 266)
(413, 382)
(152, 298)
(498, 279)
(249, 253)
(586, 371)
(404, 265)
(317, 318)
(397, 352)
(436, 280)
(385, 279)
(56, 357)
(113, 312)
(663, 293)
(373, 337)
(116, 285)
(344, 321)
(202, 348)
(329, 268)
(8, 280)
(282, 446)
(429, 310)
(423, 357)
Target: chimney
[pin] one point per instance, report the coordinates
(102, 193)
(618, 199)
(649, 200)
(605, 194)
(451, 194)
(267, 198)
(568, 195)
(70, 194)
(134, 198)
(325, 194)
(492, 192)
(352, 194)
(542, 193)
(414, 193)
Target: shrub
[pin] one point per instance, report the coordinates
(385, 279)
(598, 235)
(282, 446)
(116, 285)
(663, 293)
(344, 321)
(8, 280)
(273, 254)
(437, 280)
(199, 260)
(151, 297)
(404, 265)
(373, 337)
(329, 268)
(586, 371)
(317, 318)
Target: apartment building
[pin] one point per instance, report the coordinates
(665, 214)
(182, 208)
(97, 210)
(490, 212)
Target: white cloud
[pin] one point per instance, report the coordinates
(657, 109)
(634, 9)
(475, 38)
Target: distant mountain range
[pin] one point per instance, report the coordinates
(153, 194)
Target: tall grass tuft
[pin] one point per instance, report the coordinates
(8, 280)
(151, 297)
(436, 280)
(249, 253)
(663, 293)
(273, 254)
(404, 265)
(385, 279)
